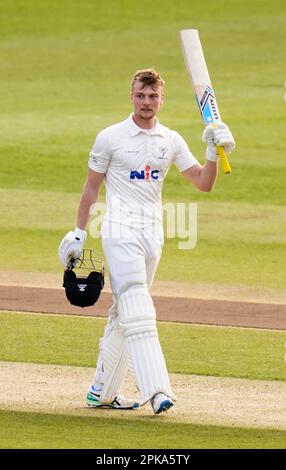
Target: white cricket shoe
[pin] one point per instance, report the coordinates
(160, 402)
(119, 402)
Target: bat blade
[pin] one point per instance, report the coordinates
(197, 69)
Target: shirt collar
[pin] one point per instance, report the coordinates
(134, 129)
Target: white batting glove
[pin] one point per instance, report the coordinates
(71, 247)
(220, 136)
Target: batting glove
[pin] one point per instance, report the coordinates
(71, 247)
(220, 136)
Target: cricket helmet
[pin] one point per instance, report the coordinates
(84, 279)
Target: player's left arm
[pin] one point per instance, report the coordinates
(203, 177)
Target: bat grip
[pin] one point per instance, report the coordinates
(224, 160)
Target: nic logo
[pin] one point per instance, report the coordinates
(146, 174)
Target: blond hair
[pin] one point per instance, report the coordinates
(148, 77)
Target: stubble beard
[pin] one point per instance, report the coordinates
(147, 115)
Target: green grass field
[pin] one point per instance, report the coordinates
(189, 349)
(65, 74)
(43, 431)
(66, 340)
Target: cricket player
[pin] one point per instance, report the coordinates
(133, 158)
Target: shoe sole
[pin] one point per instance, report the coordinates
(111, 407)
(165, 405)
(93, 402)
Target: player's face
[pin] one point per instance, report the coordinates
(146, 101)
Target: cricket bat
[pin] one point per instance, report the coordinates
(198, 71)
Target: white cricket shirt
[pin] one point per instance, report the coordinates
(135, 162)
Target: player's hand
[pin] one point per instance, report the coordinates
(71, 247)
(220, 136)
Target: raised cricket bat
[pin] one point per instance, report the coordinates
(197, 69)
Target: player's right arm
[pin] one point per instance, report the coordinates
(88, 197)
(72, 244)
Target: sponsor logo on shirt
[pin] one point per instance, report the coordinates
(146, 174)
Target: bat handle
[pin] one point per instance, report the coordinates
(224, 160)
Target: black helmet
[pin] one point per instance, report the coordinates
(84, 286)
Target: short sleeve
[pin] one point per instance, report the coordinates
(183, 158)
(99, 157)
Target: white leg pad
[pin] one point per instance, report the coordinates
(115, 364)
(138, 318)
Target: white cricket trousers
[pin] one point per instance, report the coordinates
(132, 257)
